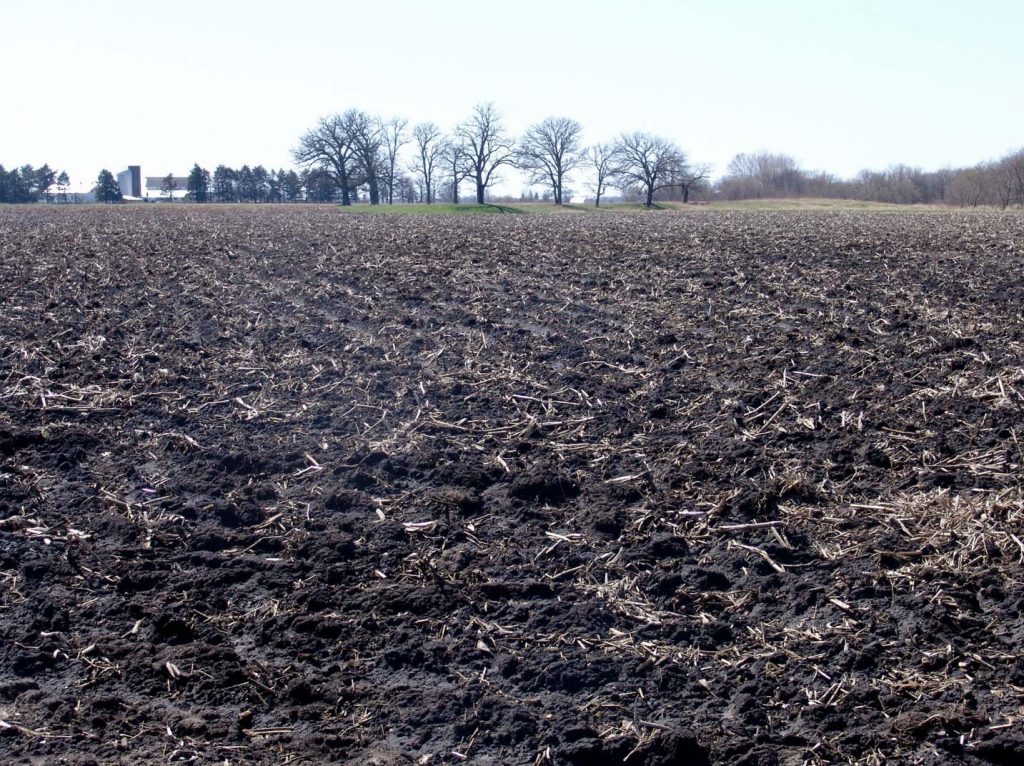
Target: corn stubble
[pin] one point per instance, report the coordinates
(293, 487)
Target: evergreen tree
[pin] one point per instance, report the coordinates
(259, 183)
(107, 189)
(246, 185)
(224, 184)
(26, 184)
(274, 185)
(22, 184)
(199, 184)
(63, 182)
(42, 180)
(320, 186)
(292, 186)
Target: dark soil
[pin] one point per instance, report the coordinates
(283, 486)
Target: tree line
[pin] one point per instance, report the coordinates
(245, 184)
(359, 155)
(353, 156)
(997, 183)
(355, 151)
(28, 184)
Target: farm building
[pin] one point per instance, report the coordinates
(130, 182)
(154, 188)
(149, 188)
(74, 192)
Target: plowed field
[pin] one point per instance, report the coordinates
(288, 486)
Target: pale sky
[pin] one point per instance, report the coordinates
(838, 85)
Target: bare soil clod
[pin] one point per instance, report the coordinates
(728, 487)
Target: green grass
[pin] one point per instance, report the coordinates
(446, 208)
(638, 207)
(435, 209)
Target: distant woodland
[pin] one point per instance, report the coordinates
(354, 157)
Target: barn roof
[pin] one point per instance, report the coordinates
(156, 183)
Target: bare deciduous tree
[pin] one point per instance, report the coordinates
(429, 155)
(393, 135)
(1014, 163)
(1000, 179)
(691, 178)
(368, 140)
(601, 159)
(967, 187)
(648, 161)
(486, 146)
(548, 151)
(331, 147)
(406, 186)
(455, 160)
(763, 174)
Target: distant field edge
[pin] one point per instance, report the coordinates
(538, 208)
(432, 209)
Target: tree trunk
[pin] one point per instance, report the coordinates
(650, 196)
(686, 193)
(597, 200)
(480, 191)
